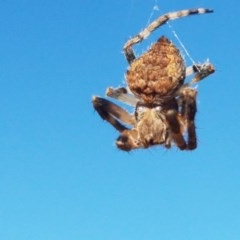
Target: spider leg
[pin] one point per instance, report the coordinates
(187, 103)
(121, 94)
(127, 48)
(128, 140)
(129, 54)
(176, 129)
(112, 113)
(201, 71)
(187, 99)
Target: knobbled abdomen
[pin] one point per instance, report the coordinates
(158, 73)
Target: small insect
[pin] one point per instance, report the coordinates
(165, 106)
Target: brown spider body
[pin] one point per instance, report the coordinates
(165, 106)
(158, 73)
(155, 124)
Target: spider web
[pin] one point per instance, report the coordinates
(157, 9)
(182, 45)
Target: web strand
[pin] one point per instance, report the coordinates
(181, 44)
(156, 8)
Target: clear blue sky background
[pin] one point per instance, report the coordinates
(61, 177)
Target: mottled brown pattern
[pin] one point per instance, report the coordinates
(157, 73)
(165, 106)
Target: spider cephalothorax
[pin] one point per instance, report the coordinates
(165, 106)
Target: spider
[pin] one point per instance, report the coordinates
(165, 106)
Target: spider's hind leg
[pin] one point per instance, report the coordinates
(129, 54)
(127, 48)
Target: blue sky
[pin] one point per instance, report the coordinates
(61, 177)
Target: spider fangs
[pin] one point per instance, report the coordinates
(165, 106)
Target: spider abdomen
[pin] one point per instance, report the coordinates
(158, 73)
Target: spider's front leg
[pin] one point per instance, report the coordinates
(112, 113)
(176, 129)
(187, 100)
(188, 106)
